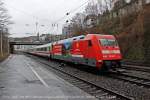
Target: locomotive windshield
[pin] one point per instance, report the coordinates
(108, 42)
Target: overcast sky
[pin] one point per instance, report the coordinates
(25, 13)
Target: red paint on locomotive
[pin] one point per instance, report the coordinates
(95, 50)
(100, 48)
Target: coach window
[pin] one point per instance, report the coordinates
(89, 43)
(43, 49)
(74, 39)
(81, 37)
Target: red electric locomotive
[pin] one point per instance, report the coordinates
(99, 51)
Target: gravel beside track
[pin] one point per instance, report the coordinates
(117, 86)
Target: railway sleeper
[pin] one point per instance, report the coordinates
(96, 92)
(102, 95)
(91, 89)
(77, 83)
(82, 85)
(147, 83)
(85, 87)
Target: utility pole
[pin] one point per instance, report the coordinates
(7, 38)
(37, 33)
(8, 45)
(36, 27)
(1, 41)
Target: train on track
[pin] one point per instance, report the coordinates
(94, 50)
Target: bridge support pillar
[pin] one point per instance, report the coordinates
(11, 49)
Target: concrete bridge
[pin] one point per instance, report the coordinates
(11, 44)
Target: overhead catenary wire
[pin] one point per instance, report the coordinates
(72, 11)
(68, 13)
(37, 19)
(41, 19)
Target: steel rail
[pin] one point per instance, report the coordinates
(121, 96)
(132, 79)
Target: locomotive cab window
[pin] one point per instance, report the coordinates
(108, 42)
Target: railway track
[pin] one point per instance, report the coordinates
(136, 63)
(88, 86)
(136, 68)
(132, 79)
(95, 90)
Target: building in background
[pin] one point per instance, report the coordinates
(90, 21)
(67, 29)
(92, 9)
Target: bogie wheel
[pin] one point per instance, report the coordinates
(103, 71)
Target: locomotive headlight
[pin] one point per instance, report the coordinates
(116, 51)
(105, 51)
(111, 51)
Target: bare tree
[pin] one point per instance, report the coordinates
(4, 22)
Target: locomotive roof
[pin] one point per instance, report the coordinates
(70, 39)
(99, 35)
(61, 41)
